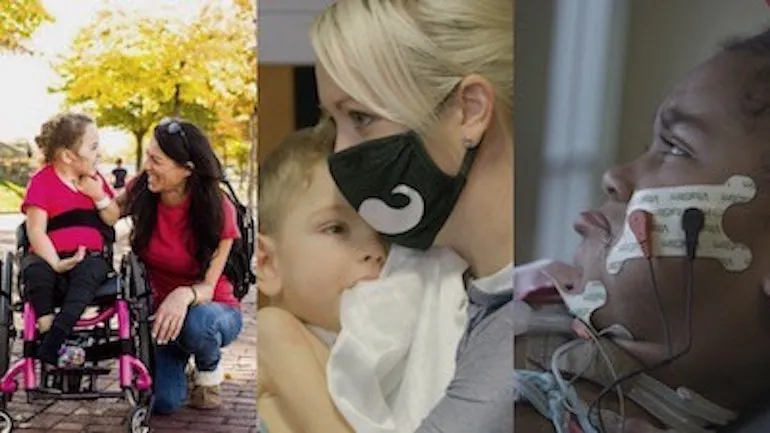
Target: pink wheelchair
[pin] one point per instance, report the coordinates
(120, 331)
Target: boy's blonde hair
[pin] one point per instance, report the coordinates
(287, 172)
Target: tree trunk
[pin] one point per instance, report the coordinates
(177, 103)
(177, 93)
(139, 135)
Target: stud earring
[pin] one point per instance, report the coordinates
(469, 144)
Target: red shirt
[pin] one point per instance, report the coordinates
(169, 261)
(47, 191)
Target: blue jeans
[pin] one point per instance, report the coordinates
(207, 328)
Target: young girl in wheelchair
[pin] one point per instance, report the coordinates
(69, 210)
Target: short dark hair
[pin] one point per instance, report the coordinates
(755, 98)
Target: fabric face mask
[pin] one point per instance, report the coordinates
(397, 188)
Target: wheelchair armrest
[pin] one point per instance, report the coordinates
(22, 240)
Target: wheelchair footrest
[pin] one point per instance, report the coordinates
(103, 351)
(78, 380)
(83, 371)
(53, 393)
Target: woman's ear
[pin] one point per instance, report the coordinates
(477, 102)
(268, 270)
(189, 169)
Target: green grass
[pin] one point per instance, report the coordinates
(10, 197)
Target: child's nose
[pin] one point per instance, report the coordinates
(372, 264)
(375, 258)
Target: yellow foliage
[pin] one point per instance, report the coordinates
(130, 71)
(19, 19)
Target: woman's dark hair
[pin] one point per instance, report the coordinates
(184, 143)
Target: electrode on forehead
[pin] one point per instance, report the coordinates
(667, 206)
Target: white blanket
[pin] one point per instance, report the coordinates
(395, 355)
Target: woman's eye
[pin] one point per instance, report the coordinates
(360, 119)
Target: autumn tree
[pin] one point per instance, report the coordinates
(129, 71)
(19, 19)
(236, 102)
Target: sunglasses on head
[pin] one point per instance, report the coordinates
(173, 127)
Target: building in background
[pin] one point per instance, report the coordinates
(287, 95)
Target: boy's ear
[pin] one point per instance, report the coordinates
(268, 271)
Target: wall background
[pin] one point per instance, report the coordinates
(286, 84)
(629, 53)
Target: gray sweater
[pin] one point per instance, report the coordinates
(480, 397)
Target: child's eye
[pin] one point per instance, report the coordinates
(360, 119)
(336, 229)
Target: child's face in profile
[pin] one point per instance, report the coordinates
(87, 155)
(323, 248)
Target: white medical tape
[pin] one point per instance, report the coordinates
(582, 304)
(668, 238)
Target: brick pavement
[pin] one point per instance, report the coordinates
(238, 413)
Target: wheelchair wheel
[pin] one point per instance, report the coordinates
(136, 398)
(6, 422)
(137, 290)
(6, 315)
(144, 344)
(138, 420)
(143, 294)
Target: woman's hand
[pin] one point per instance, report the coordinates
(170, 315)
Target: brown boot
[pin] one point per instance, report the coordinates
(206, 397)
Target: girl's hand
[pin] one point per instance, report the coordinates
(170, 315)
(64, 265)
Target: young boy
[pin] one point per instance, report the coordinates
(393, 327)
(312, 247)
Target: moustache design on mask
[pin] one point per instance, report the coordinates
(397, 189)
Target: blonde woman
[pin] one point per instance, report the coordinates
(420, 92)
